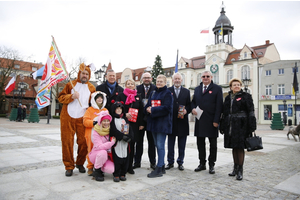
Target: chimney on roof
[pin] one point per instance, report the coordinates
(267, 41)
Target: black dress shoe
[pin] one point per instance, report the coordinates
(180, 167)
(211, 170)
(153, 166)
(169, 166)
(80, 168)
(69, 172)
(130, 171)
(137, 165)
(200, 168)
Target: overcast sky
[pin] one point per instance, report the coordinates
(132, 34)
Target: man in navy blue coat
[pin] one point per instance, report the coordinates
(180, 127)
(209, 98)
(144, 90)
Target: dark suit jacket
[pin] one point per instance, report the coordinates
(181, 126)
(104, 88)
(141, 90)
(211, 102)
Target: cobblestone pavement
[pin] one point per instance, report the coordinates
(31, 168)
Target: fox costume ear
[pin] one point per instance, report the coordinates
(83, 67)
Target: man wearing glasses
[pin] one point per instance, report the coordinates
(208, 97)
(145, 90)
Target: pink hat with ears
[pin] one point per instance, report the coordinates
(104, 115)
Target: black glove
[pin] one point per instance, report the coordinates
(94, 123)
(126, 138)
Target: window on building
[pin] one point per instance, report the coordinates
(296, 69)
(198, 79)
(183, 79)
(245, 72)
(280, 71)
(267, 112)
(229, 75)
(168, 84)
(268, 89)
(282, 107)
(268, 72)
(181, 65)
(281, 89)
(34, 69)
(233, 59)
(260, 53)
(136, 78)
(245, 54)
(119, 80)
(126, 77)
(17, 66)
(216, 77)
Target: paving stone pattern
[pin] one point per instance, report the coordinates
(31, 168)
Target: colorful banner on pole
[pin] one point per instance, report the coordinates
(54, 72)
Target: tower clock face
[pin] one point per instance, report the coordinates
(214, 68)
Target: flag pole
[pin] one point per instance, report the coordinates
(74, 89)
(66, 70)
(49, 107)
(295, 94)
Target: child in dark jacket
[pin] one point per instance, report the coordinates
(120, 129)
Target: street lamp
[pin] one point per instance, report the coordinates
(98, 73)
(246, 83)
(284, 112)
(20, 91)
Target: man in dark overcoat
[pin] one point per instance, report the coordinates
(111, 88)
(181, 109)
(209, 98)
(144, 90)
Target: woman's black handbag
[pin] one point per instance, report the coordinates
(254, 143)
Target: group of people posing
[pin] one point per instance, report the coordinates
(110, 123)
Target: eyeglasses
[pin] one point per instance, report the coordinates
(206, 76)
(146, 77)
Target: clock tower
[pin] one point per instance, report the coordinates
(223, 29)
(217, 54)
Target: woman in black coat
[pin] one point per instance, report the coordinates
(132, 100)
(238, 123)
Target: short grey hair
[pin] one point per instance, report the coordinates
(207, 72)
(177, 73)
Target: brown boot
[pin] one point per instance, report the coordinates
(90, 172)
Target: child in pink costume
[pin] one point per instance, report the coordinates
(100, 155)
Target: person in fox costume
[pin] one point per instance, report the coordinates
(75, 102)
(98, 102)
